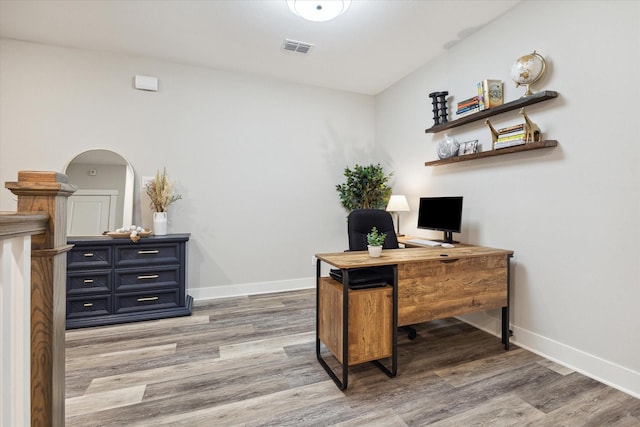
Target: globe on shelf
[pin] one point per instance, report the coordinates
(527, 70)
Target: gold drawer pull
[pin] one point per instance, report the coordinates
(88, 280)
(147, 299)
(88, 254)
(153, 251)
(87, 304)
(150, 276)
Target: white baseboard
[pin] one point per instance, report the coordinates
(609, 373)
(214, 292)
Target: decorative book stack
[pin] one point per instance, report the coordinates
(468, 106)
(490, 94)
(510, 136)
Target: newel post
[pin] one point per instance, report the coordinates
(47, 192)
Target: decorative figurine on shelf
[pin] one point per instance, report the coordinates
(448, 147)
(519, 134)
(439, 101)
(527, 70)
(531, 130)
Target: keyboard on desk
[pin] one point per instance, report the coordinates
(424, 242)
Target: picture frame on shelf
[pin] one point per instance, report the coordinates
(468, 147)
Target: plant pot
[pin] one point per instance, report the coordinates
(374, 251)
(160, 223)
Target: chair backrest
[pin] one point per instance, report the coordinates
(361, 221)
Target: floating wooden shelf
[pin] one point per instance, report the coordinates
(518, 103)
(492, 153)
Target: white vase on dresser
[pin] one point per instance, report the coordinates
(160, 223)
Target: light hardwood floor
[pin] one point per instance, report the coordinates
(250, 361)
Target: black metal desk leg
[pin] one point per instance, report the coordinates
(318, 262)
(345, 328)
(342, 385)
(505, 327)
(394, 354)
(506, 333)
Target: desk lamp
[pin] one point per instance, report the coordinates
(396, 205)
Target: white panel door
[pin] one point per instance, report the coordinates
(91, 212)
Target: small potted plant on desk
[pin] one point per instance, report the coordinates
(375, 241)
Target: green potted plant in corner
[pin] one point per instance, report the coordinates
(375, 239)
(366, 188)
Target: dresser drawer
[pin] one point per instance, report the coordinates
(145, 254)
(89, 281)
(93, 257)
(127, 280)
(98, 305)
(152, 300)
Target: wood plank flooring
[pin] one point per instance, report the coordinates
(250, 361)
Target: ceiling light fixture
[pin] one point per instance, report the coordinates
(317, 10)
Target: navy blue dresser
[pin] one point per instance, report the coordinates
(113, 281)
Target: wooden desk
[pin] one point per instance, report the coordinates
(430, 283)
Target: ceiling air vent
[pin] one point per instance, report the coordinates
(296, 46)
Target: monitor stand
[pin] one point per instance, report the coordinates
(448, 238)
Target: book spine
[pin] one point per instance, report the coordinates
(485, 92)
(481, 99)
(468, 111)
(511, 129)
(468, 104)
(511, 137)
(506, 144)
(469, 108)
(511, 132)
(469, 101)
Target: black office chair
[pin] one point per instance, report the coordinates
(359, 224)
(361, 221)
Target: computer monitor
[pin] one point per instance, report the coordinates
(441, 214)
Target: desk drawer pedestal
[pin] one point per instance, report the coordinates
(370, 321)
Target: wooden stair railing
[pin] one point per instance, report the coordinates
(47, 192)
(15, 314)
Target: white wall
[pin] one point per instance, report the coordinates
(570, 213)
(256, 160)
